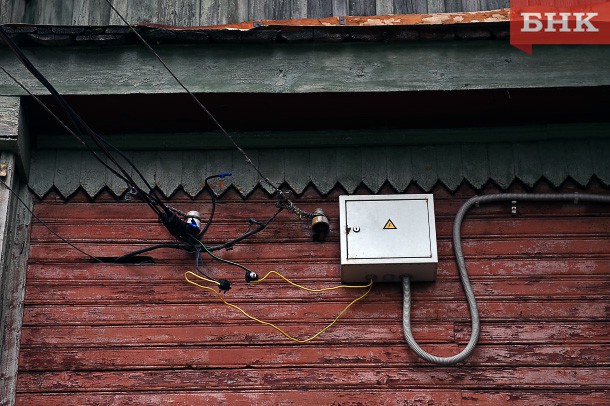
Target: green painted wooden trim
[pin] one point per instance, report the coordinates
(305, 68)
(306, 139)
(324, 167)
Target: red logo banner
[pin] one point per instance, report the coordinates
(559, 22)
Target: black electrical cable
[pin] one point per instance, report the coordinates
(135, 168)
(64, 125)
(190, 247)
(261, 227)
(167, 216)
(196, 100)
(213, 198)
(45, 224)
(26, 62)
(183, 247)
(283, 198)
(198, 262)
(79, 125)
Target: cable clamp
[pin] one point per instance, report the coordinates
(575, 197)
(513, 208)
(131, 191)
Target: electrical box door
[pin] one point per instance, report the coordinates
(386, 237)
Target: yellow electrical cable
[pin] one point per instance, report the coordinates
(369, 286)
(309, 289)
(207, 280)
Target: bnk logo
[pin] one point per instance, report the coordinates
(533, 22)
(559, 22)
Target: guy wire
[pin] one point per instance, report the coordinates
(283, 197)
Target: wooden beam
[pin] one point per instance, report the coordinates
(339, 138)
(7, 166)
(14, 161)
(7, 170)
(14, 243)
(12, 135)
(306, 68)
(9, 122)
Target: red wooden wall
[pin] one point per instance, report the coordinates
(139, 334)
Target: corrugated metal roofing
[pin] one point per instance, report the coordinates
(425, 165)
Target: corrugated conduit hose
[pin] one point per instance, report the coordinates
(459, 257)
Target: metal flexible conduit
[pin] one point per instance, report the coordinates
(459, 257)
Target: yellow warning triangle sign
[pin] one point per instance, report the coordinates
(389, 225)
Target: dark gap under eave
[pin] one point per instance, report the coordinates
(176, 113)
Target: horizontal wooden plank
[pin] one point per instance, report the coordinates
(279, 231)
(328, 396)
(395, 66)
(315, 273)
(431, 310)
(203, 396)
(361, 333)
(253, 356)
(504, 135)
(155, 233)
(540, 332)
(182, 292)
(541, 398)
(327, 378)
(307, 251)
(220, 334)
(261, 208)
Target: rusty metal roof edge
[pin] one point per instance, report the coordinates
(388, 20)
(491, 24)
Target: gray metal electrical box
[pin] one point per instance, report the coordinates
(386, 237)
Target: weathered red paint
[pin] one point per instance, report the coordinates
(121, 334)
